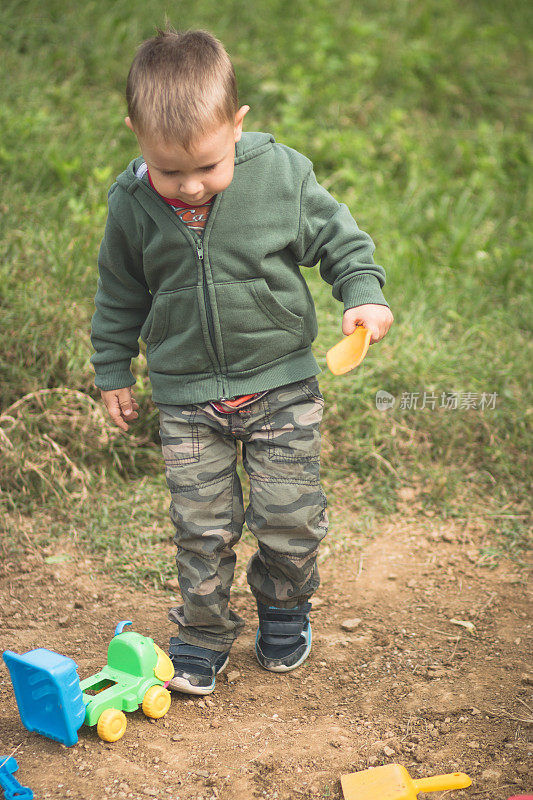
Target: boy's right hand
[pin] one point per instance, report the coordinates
(121, 406)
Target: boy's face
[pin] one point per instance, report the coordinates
(196, 175)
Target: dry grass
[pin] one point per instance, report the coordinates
(56, 443)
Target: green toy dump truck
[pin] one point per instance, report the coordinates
(53, 702)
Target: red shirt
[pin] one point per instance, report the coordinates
(194, 217)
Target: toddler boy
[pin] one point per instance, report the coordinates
(201, 258)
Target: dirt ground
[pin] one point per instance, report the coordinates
(393, 678)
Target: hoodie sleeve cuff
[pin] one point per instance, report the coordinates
(361, 290)
(114, 379)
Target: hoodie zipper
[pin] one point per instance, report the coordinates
(207, 301)
(199, 247)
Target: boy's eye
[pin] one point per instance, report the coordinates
(173, 173)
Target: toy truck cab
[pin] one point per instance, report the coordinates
(53, 702)
(134, 675)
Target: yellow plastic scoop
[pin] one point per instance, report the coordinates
(393, 782)
(349, 352)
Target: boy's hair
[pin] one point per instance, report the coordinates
(180, 86)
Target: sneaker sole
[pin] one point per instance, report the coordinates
(183, 685)
(282, 667)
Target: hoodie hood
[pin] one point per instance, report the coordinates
(251, 144)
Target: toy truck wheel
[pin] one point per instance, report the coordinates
(111, 725)
(156, 702)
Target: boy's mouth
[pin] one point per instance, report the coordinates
(191, 201)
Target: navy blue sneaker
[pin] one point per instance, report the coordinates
(283, 639)
(195, 668)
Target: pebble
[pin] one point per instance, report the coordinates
(527, 678)
(350, 624)
(233, 675)
(388, 751)
(491, 774)
(437, 672)
(178, 737)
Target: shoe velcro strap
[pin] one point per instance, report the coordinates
(280, 641)
(190, 654)
(281, 626)
(278, 628)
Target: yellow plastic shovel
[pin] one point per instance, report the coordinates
(393, 782)
(349, 352)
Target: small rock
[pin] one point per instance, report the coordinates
(388, 751)
(436, 672)
(491, 775)
(63, 621)
(178, 737)
(407, 494)
(473, 745)
(448, 537)
(350, 624)
(527, 678)
(316, 602)
(233, 675)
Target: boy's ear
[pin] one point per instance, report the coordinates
(239, 117)
(128, 122)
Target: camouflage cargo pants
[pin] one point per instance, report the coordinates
(286, 512)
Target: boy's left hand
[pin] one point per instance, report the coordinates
(377, 319)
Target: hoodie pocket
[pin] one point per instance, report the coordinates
(256, 327)
(174, 339)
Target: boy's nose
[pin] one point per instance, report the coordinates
(191, 188)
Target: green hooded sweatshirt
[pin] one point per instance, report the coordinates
(231, 313)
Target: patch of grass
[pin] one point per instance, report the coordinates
(510, 537)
